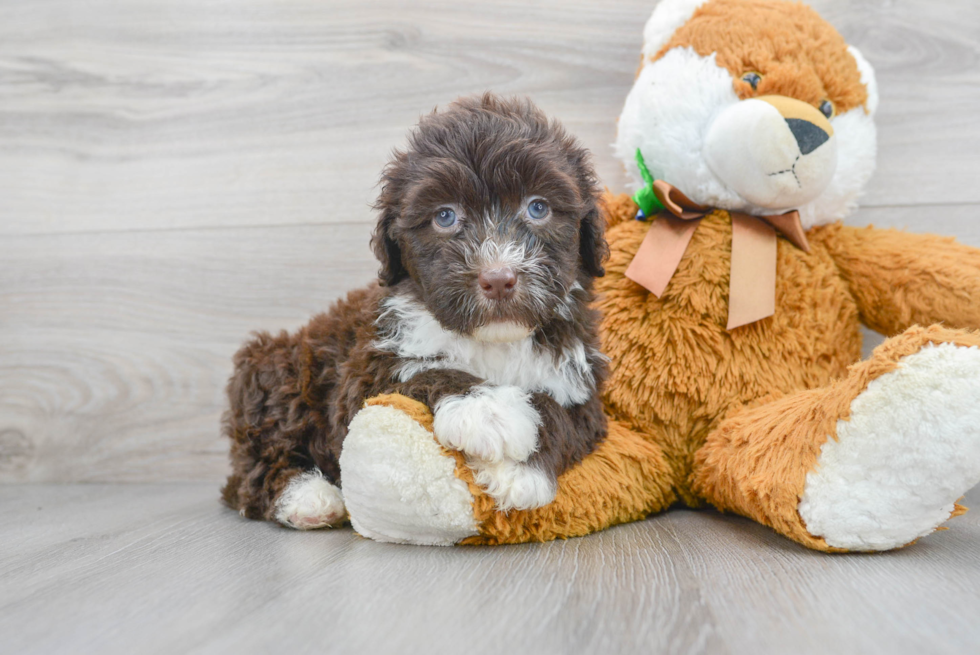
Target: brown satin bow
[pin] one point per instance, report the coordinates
(752, 286)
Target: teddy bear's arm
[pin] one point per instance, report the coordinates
(899, 279)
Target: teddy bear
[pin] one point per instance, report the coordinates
(732, 305)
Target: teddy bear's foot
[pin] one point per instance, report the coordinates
(399, 484)
(309, 502)
(910, 449)
(872, 462)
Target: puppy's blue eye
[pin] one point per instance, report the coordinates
(446, 218)
(537, 209)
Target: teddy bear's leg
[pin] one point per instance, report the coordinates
(401, 486)
(871, 462)
(399, 483)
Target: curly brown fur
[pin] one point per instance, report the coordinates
(418, 332)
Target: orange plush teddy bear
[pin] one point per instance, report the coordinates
(731, 316)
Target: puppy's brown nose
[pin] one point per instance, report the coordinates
(498, 283)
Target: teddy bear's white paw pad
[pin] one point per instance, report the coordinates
(490, 423)
(910, 449)
(309, 502)
(400, 485)
(514, 485)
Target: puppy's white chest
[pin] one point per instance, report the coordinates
(423, 344)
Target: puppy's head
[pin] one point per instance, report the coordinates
(491, 215)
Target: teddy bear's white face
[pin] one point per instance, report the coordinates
(761, 155)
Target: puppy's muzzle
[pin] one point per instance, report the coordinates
(497, 283)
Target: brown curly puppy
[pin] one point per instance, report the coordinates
(489, 237)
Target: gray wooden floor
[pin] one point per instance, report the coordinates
(176, 173)
(162, 569)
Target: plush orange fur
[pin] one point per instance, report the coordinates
(677, 371)
(900, 279)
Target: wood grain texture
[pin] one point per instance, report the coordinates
(159, 114)
(116, 347)
(163, 569)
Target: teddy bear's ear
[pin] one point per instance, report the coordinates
(386, 247)
(664, 21)
(867, 78)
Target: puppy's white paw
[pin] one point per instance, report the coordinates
(489, 423)
(514, 485)
(309, 502)
(910, 449)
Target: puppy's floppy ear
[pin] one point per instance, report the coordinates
(386, 249)
(592, 242)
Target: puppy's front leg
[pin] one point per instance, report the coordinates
(563, 437)
(487, 422)
(567, 434)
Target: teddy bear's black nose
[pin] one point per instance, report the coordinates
(808, 136)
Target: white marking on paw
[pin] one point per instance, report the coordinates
(489, 423)
(309, 501)
(910, 449)
(514, 485)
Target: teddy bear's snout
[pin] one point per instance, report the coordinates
(775, 152)
(809, 137)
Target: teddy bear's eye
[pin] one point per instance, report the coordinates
(827, 108)
(753, 79)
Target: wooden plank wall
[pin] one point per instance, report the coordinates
(174, 174)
